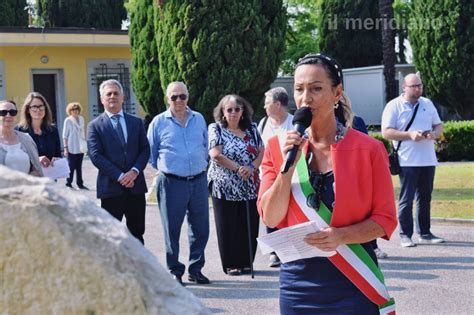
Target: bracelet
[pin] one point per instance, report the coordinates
(65, 147)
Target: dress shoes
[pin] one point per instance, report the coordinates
(199, 278)
(83, 187)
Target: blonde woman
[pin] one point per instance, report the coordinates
(74, 143)
(17, 150)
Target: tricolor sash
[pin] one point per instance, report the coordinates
(351, 259)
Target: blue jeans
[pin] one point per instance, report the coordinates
(176, 199)
(415, 182)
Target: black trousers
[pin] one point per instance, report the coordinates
(75, 164)
(133, 207)
(232, 232)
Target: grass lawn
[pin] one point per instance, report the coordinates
(453, 194)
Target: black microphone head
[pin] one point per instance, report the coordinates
(303, 117)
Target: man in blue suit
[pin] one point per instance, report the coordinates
(118, 147)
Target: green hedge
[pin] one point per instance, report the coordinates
(378, 136)
(456, 143)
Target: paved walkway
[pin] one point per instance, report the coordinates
(427, 279)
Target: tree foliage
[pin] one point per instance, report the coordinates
(349, 32)
(388, 46)
(220, 47)
(145, 74)
(13, 13)
(105, 14)
(301, 34)
(441, 35)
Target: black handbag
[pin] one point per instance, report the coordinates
(394, 163)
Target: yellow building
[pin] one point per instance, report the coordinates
(65, 65)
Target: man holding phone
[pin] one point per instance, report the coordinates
(416, 155)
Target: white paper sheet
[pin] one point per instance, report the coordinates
(289, 244)
(59, 170)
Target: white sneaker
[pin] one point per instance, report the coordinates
(380, 254)
(405, 241)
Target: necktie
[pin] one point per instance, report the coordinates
(118, 128)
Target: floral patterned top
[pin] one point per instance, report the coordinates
(223, 182)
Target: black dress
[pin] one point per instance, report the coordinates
(48, 142)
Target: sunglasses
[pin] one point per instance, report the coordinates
(233, 109)
(12, 112)
(314, 199)
(37, 107)
(181, 97)
(75, 108)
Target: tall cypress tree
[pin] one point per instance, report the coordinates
(145, 74)
(441, 35)
(349, 32)
(220, 47)
(82, 13)
(12, 13)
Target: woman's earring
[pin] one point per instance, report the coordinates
(336, 105)
(223, 117)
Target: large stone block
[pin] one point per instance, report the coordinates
(62, 254)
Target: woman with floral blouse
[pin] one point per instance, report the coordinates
(236, 151)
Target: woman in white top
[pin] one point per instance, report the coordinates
(17, 150)
(74, 139)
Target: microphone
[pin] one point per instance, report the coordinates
(301, 121)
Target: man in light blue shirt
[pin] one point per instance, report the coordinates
(178, 142)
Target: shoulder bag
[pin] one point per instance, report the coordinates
(393, 157)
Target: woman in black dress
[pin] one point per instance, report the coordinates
(36, 119)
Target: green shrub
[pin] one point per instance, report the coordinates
(386, 143)
(457, 141)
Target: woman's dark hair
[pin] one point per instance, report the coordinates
(25, 117)
(343, 111)
(245, 122)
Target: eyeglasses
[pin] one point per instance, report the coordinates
(12, 112)
(415, 86)
(314, 199)
(37, 107)
(181, 97)
(233, 109)
(75, 108)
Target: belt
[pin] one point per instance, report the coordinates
(188, 178)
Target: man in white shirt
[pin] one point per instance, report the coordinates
(416, 155)
(277, 122)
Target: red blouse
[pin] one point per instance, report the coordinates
(363, 185)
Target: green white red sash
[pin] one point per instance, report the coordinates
(351, 259)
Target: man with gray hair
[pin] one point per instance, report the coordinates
(416, 154)
(178, 140)
(277, 122)
(118, 147)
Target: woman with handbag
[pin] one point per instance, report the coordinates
(75, 146)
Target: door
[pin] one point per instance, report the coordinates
(46, 85)
(50, 83)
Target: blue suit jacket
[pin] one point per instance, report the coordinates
(112, 159)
